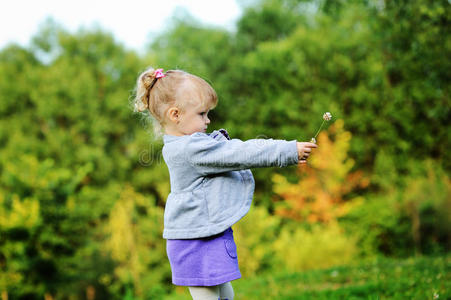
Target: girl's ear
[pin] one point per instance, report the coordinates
(173, 114)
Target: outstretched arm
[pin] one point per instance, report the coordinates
(210, 156)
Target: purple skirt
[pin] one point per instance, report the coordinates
(204, 262)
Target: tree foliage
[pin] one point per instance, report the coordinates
(324, 188)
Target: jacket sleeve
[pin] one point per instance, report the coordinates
(210, 156)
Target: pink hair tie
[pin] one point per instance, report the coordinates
(159, 73)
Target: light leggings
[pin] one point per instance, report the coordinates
(223, 291)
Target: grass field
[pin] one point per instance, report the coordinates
(413, 278)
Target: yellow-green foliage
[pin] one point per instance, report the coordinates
(433, 188)
(426, 201)
(254, 235)
(406, 219)
(23, 215)
(135, 242)
(323, 246)
(26, 208)
(264, 243)
(318, 198)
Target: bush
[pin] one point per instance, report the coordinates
(255, 235)
(410, 217)
(322, 246)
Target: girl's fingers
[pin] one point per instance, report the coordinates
(310, 145)
(305, 153)
(304, 150)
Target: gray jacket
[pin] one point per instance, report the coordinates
(211, 186)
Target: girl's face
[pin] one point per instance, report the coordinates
(198, 101)
(193, 119)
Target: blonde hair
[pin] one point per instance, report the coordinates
(177, 88)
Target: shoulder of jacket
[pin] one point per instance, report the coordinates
(199, 134)
(198, 137)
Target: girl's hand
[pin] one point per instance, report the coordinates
(304, 150)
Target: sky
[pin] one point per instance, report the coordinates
(132, 22)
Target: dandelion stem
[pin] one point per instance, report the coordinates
(319, 129)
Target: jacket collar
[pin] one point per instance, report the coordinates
(216, 134)
(169, 138)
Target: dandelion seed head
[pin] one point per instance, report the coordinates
(327, 116)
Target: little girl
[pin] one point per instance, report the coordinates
(211, 184)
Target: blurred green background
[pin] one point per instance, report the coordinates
(83, 184)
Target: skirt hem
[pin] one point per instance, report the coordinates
(206, 281)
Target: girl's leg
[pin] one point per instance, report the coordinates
(226, 291)
(204, 292)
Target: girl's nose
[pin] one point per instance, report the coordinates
(207, 121)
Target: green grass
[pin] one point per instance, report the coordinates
(413, 278)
